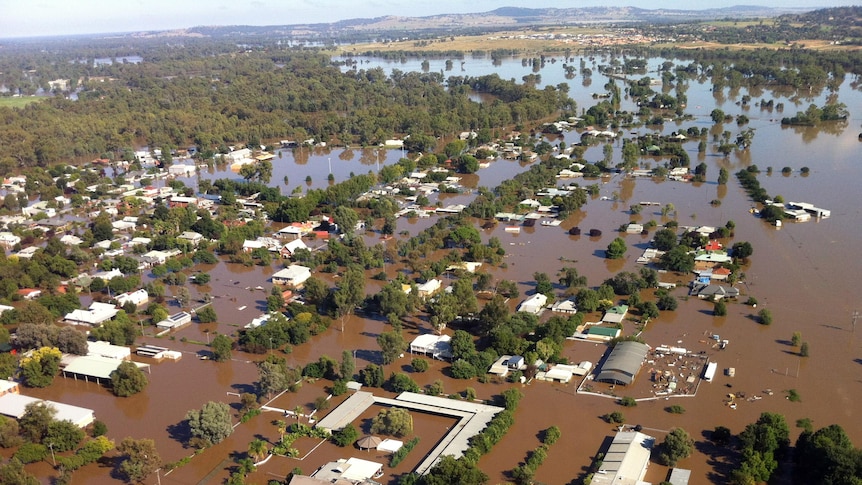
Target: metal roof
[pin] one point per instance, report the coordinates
(624, 362)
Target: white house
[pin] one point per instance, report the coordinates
(533, 304)
(94, 316)
(9, 239)
(294, 275)
(192, 237)
(290, 248)
(138, 297)
(428, 288)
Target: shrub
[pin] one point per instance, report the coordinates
(628, 402)
(615, 417)
(345, 436)
(675, 409)
(31, 453)
(419, 365)
(399, 455)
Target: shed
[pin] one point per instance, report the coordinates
(623, 363)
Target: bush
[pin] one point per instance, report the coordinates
(675, 409)
(419, 365)
(461, 369)
(765, 316)
(719, 309)
(399, 455)
(615, 417)
(31, 453)
(345, 436)
(628, 402)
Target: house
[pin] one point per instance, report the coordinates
(27, 253)
(182, 170)
(30, 293)
(615, 314)
(179, 201)
(713, 292)
(108, 350)
(159, 257)
(193, 238)
(289, 249)
(174, 321)
(94, 316)
(352, 470)
(437, 346)
(138, 297)
(634, 228)
(71, 240)
(8, 239)
(604, 334)
(429, 288)
(534, 304)
(294, 275)
(565, 306)
(710, 259)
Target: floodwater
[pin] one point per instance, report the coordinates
(805, 273)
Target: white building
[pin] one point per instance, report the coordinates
(97, 314)
(294, 275)
(138, 297)
(535, 304)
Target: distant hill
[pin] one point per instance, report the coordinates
(501, 18)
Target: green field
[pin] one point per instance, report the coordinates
(18, 102)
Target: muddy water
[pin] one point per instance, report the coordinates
(804, 273)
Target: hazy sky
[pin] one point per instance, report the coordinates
(27, 18)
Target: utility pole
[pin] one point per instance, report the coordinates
(855, 317)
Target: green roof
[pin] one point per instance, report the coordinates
(604, 331)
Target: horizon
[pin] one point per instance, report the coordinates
(55, 18)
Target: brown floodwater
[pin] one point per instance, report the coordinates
(805, 273)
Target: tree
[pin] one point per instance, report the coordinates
(63, 435)
(350, 293)
(717, 116)
(765, 316)
(392, 345)
(257, 450)
(13, 472)
(742, 250)
(543, 283)
(348, 365)
(392, 421)
(212, 423)
(678, 259)
(451, 470)
(665, 239)
(615, 417)
(140, 458)
(676, 446)
(35, 421)
(207, 314)
(128, 379)
(616, 249)
(345, 436)
(419, 365)
(803, 350)
(719, 309)
(372, 375)
(401, 382)
(571, 279)
(39, 369)
(796, 339)
(667, 302)
(221, 347)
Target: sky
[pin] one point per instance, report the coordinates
(32, 18)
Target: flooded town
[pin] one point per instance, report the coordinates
(623, 270)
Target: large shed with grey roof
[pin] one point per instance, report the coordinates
(624, 362)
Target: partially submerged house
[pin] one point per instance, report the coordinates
(294, 276)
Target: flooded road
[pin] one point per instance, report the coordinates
(804, 273)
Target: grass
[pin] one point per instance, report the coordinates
(19, 102)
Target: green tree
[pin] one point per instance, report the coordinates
(419, 365)
(401, 382)
(616, 249)
(128, 379)
(796, 339)
(35, 421)
(39, 369)
(139, 459)
(804, 350)
(207, 314)
(665, 239)
(345, 436)
(372, 375)
(221, 347)
(257, 450)
(392, 421)
(765, 316)
(678, 259)
(392, 345)
(63, 435)
(450, 470)
(719, 308)
(212, 423)
(676, 446)
(742, 250)
(13, 472)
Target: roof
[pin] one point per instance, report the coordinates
(679, 476)
(623, 363)
(626, 460)
(106, 349)
(13, 405)
(347, 411)
(438, 345)
(94, 366)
